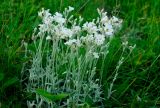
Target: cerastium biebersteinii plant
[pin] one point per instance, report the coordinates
(63, 67)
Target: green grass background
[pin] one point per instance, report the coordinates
(139, 76)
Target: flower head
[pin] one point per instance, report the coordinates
(90, 27)
(58, 17)
(73, 42)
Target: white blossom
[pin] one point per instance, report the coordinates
(43, 28)
(73, 42)
(95, 55)
(70, 8)
(115, 19)
(76, 29)
(99, 39)
(108, 26)
(40, 13)
(63, 32)
(104, 19)
(90, 27)
(48, 20)
(89, 38)
(46, 16)
(31, 104)
(58, 17)
(108, 29)
(48, 37)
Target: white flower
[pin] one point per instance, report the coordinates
(115, 19)
(88, 39)
(70, 42)
(62, 32)
(58, 17)
(43, 28)
(99, 39)
(83, 39)
(40, 13)
(107, 25)
(44, 13)
(48, 20)
(108, 29)
(104, 19)
(31, 104)
(66, 33)
(95, 55)
(70, 8)
(117, 23)
(76, 29)
(96, 38)
(73, 42)
(90, 27)
(48, 37)
(46, 16)
(109, 33)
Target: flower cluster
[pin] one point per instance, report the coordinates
(73, 49)
(96, 31)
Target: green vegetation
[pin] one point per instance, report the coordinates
(137, 83)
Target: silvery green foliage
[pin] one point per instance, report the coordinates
(66, 55)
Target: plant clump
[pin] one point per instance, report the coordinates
(63, 68)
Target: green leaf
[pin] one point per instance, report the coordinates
(1, 76)
(49, 96)
(9, 82)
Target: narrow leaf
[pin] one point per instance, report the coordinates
(49, 96)
(9, 82)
